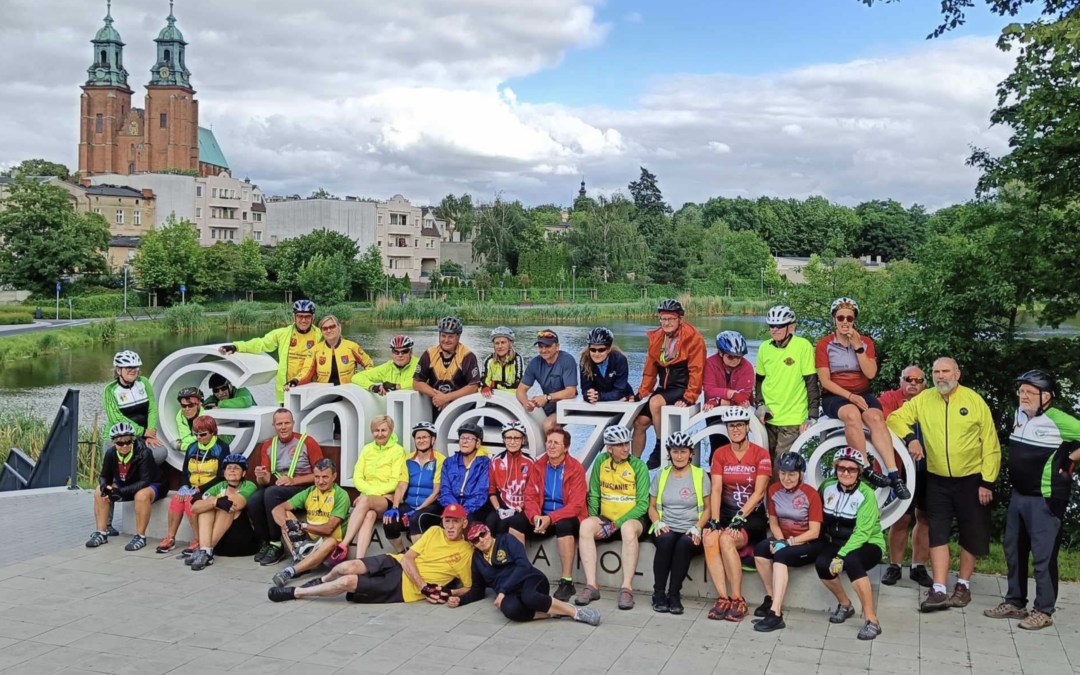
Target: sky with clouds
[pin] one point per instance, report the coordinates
(426, 97)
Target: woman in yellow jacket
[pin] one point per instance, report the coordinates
(334, 360)
(381, 478)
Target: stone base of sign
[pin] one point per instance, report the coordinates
(805, 590)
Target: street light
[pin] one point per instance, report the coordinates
(763, 282)
(573, 282)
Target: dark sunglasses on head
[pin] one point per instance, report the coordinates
(400, 352)
(845, 318)
(914, 380)
(188, 406)
(598, 350)
(123, 444)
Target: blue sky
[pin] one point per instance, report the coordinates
(741, 37)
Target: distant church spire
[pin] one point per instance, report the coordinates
(581, 192)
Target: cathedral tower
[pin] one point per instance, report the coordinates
(105, 102)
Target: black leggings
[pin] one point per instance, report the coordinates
(532, 598)
(674, 551)
(419, 522)
(239, 539)
(856, 563)
(262, 504)
(498, 525)
(798, 555)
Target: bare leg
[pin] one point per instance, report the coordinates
(558, 608)
(356, 518)
(967, 564)
(637, 442)
(327, 589)
(173, 524)
(195, 527)
(837, 589)
(656, 403)
(779, 585)
(397, 545)
(587, 548)
(879, 434)
(205, 526)
(144, 500)
(630, 530)
(223, 520)
(898, 540)
(101, 511)
(715, 564)
(765, 572)
(920, 538)
(567, 547)
(316, 557)
(866, 598)
(853, 428)
(549, 422)
(376, 506)
(729, 551)
(939, 559)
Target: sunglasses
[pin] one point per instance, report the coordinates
(477, 538)
(782, 327)
(845, 318)
(123, 444)
(914, 380)
(222, 388)
(732, 356)
(846, 470)
(400, 352)
(200, 434)
(545, 334)
(189, 406)
(598, 350)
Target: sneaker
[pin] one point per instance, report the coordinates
(565, 591)
(112, 531)
(900, 489)
(97, 539)
(960, 597)
(586, 615)
(166, 545)
(870, 630)
(920, 576)
(282, 578)
(771, 622)
(626, 598)
(654, 458)
(263, 550)
(587, 595)
(763, 609)
(281, 594)
(934, 601)
(188, 559)
(191, 548)
(737, 611)
(675, 604)
(841, 613)
(1006, 610)
(200, 560)
(893, 573)
(1037, 621)
(660, 603)
(137, 542)
(875, 479)
(273, 556)
(720, 609)
(312, 583)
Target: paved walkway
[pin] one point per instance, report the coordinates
(80, 611)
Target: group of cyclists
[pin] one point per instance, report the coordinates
(467, 516)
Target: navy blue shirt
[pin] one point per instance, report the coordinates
(552, 377)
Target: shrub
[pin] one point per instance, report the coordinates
(345, 313)
(243, 314)
(185, 318)
(12, 318)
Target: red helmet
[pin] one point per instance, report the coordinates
(401, 342)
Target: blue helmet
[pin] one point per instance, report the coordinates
(731, 342)
(303, 307)
(237, 459)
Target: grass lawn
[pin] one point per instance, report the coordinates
(1068, 562)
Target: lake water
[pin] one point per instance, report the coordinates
(38, 385)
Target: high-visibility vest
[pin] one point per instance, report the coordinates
(697, 475)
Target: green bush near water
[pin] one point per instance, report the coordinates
(21, 429)
(185, 318)
(243, 314)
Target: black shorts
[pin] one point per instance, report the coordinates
(419, 523)
(791, 556)
(919, 502)
(671, 397)
(831, 404)
(381, 584)
(161, 491)
(518, 522)
(645, 525)
(948, 498)
(567, 527)
(239, 539)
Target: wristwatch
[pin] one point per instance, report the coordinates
(860, 350)
(548, 397)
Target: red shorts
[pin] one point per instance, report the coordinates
(176, 506)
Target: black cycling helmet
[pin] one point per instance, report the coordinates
(601, 336)
(791, 461)
(451, 324)
(189, 392)
(1041, 381)
(471, 428)
(671, 305)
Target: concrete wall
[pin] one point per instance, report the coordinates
(295, 218)
(461, 253)
(172, 194)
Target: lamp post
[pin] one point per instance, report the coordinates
(573, 283)
(763, 282)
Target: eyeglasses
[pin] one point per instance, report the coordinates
(1025, 392)
(845, 318)
(400, 352)
(733, 356)
(847, 470)
(200, 434)
(123, 444)
(598, 350)
(738, 425)
(189, 406)
(302, 316)
(914, 380)
(669, 319)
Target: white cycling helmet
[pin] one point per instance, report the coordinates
(837, 303)
(514, 425)
(617, 435)
(735, 414)
(126, 359)
(678, 439)
(849, 454)
(121, 429)
(781, 315)
(503, 331)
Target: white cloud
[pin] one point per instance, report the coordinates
(380, 98)
(632, 17)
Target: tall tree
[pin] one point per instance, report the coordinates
(889, 230)
(221, 265)
(44, 238)
(605, 238)
(500, 227)
(368, 272)
(458, 211)
(169, 257)
(251, 275)
(652, 211)
(324, 279)
(291, 254)
(38, 167)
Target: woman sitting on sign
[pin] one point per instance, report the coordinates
(381, 478)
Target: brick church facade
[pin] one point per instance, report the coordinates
(115, 137)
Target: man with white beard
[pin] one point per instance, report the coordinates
(963, 457)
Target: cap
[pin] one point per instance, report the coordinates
(455, 511)
(546, 337)
(475, 530)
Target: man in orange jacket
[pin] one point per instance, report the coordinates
(675, 366)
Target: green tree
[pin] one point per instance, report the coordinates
(44, 238)
(368, 277)
(38, 167)
(889, 230)
(324, 279)
(251, 276)
(291, 254)
(169, 257)
(459, 212)
(499, 236)
(221, 265)
(744, 257)
(606, 238)
(320, 194)
(449, 268)
(672, 262)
